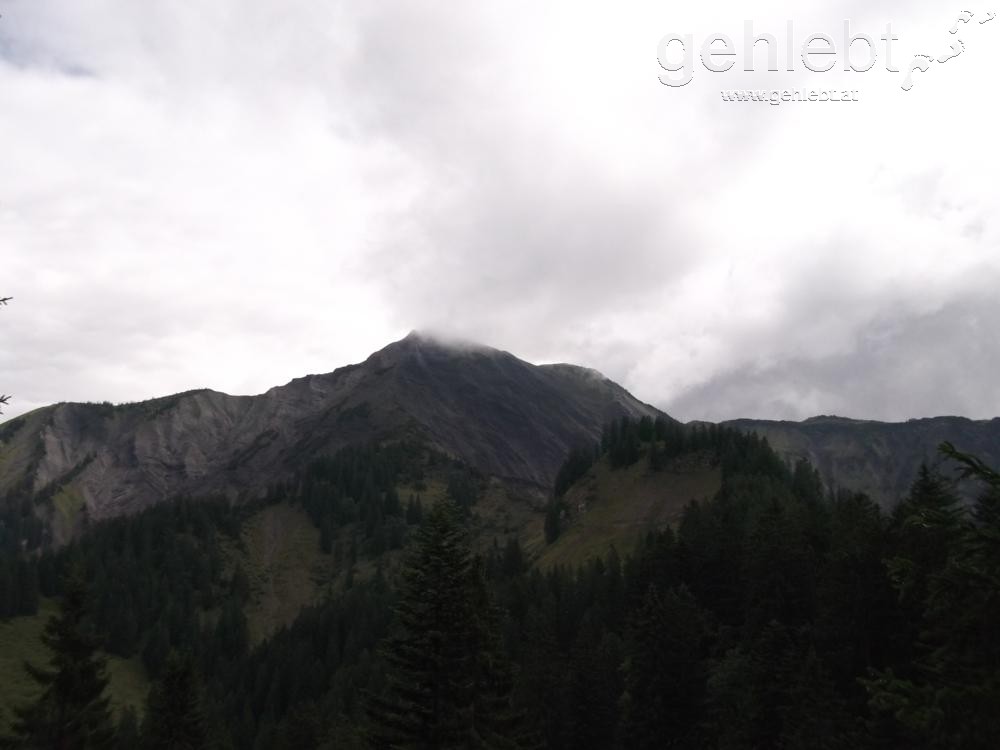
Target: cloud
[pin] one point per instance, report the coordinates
(898, 366)
(235, 194)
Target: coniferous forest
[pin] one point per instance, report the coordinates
(777, 614)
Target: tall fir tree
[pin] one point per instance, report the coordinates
(553, 520)
(949, 699)
(925, 526)
(72, 711)
(664, 674)
(446, 687)
(174, 716)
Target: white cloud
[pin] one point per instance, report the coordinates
(230, 194)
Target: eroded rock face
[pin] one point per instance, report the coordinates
(880, 459)
(502, 415)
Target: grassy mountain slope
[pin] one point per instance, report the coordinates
(616, 507)
(280, 553)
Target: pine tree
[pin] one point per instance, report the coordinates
(595, 687)
(154, 654)
(553, 513)
(664, 675)
(646, 429)
(447, 687)
(326, 534)
(414, 511)
(513, 558)
(128, 730)
(807, 483)
(656, 457)
(27, 575)
(576, 465)
(925, 526)
(72, 711)
(779, 570)
(174, 717)
(950, 698)
(9, 603)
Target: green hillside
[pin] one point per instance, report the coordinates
(616, 507)
(280, 554)
(21, 641)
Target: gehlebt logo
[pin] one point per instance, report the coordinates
(818, 52)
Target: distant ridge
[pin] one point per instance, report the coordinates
(880, 459)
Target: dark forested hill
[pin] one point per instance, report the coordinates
(499, 414)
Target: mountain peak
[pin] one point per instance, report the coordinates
(418, 346)
(501, 415)
(451, 342)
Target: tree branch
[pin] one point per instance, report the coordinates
(971, 466)
(4, 399)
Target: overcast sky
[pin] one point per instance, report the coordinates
(233, 193)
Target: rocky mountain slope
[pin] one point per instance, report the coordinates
(501, 415)
(878, 458)
(504, 416)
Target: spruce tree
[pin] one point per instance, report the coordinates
(128, 730)
(446, 686)
(656, 456)
(174, 717)
(72, 712)
(949, 698)
(553, 513)
(595, 687)
(925, 526)
(664, 674)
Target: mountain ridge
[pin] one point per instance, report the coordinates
(499, 414)
(486, 407)
(880, 459)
